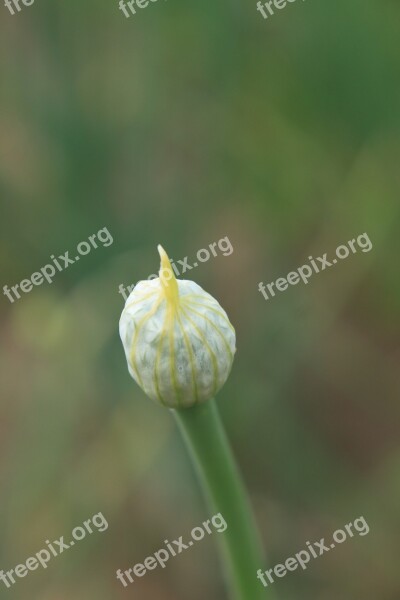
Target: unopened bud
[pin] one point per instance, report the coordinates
(178, 341)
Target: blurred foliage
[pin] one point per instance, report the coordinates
(186, 123)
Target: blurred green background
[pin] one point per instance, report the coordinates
(183, 124)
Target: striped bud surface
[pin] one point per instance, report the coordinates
(178, 341)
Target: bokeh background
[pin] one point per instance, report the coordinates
(186, 123)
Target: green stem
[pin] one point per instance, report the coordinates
(208, 445)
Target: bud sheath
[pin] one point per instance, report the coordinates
(178, 341)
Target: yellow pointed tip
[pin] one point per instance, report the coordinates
(167, 278)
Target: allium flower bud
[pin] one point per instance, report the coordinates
(178, 341)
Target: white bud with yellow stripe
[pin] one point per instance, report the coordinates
(178, 341)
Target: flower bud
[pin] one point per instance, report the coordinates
(178, 341)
